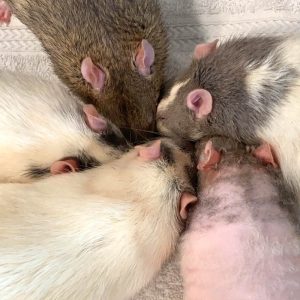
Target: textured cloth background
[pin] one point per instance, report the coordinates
(188, 22)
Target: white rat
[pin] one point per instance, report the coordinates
(99, 234)
(41, 122)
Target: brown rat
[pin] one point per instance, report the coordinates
(41, 123)
(111, 53)
(246, 89)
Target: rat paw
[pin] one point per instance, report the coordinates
(5, 13)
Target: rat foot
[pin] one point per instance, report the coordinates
(5, 13)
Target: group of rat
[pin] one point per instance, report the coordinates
(105, 232)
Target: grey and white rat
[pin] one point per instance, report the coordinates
(99, 234)
(247, 89)
(242, 240)
(111, 53)
(42, 123)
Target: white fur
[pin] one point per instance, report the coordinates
(167, 101)
(100, 234)
(257, 77)
(283, 129)
(39, 124)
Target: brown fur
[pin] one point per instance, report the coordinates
(109, 32)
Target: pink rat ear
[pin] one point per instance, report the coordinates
(265, 154)
(93, 119)
(202, 50)
(144, 58)
(5, 12)
(93, 74)
(200, 102)
(64, 166)
(149, 153)
(185, 200)
(209, 158)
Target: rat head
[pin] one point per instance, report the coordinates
(127, 90)
(220, 93)
(186, 108)
(162, 175)
(220, 153)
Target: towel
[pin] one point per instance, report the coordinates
(188, 22)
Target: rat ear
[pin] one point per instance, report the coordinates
(209, 158)
(5, 13)
(185, 200)
(93, 119)
(144, 58)
(93, 74)
(151, 152)
(203, 50)
(265, 154)
(200, 102)
(64, 166)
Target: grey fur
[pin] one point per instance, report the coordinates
(223, 73)
(248, 171)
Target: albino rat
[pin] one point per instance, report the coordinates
(40, 123)
(242, 241)
(112, 53)
(247, 89)
(100, 234)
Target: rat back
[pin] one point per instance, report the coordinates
(242, 241)
(40, 123)
(109, 229)
(110, 53)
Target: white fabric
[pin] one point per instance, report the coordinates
(188, 22)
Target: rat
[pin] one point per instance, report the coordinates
(110, 53)
(242, 239)
(42, 123)
(99, 234)
(247, 89)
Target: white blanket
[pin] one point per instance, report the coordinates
(188, 22)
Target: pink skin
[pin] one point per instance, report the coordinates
(93, 119)
(93, 74)
(256, 256)
(203, 50)
(200, 102)
(144, 58)
(153, 152)
(5, 13)
(96, 123)
(265, 153)
(64, 166)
